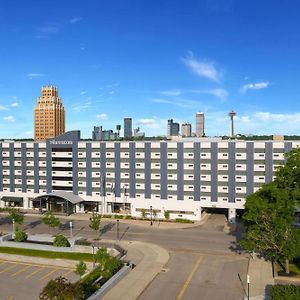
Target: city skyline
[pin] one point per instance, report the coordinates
(153, 62)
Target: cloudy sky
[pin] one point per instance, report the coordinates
(152, 60)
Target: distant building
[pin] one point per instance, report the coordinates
(199, 124)
(138, 133)
(172, 129)
(127, 127)
(103, 135)
(49, 115)
(186, 130)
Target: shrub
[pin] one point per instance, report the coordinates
(167, 214)
(107, 216)
(178, 220)
(128, 217)
(20, 236)
(143, 213)
(61, 241)
(80, 268)
(286, 292)
(119, 217)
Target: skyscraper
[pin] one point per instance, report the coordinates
(199, 124)
(186, 129)
(127, 127)
(49, 115)
(172, 129)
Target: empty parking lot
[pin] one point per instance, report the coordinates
(22, 281)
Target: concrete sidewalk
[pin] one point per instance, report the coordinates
(144, 223)
(149, 259)
(261, 277)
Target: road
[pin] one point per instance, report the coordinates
(203, 261)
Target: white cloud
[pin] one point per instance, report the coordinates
(102, 116)
(202, 68)
(254, 86)
(75, 20)
(219, 93)
(3, 107)
(145, 122)
(9, 119)
(183, 103)
(111, 92)
(34, 75)
(174, 92)
(14, 104)
(50, 29)
(83, 93)
(82, 107)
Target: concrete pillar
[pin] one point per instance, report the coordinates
(25, 203)
(2, 204)
(231, 215)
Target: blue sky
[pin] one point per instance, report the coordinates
(152, 60)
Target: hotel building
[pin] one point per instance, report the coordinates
(66, 174)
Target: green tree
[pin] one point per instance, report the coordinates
(16, 217)
(167, 215)
(95, 221)
(143, 213)
(288, 176)
(80, 268)
(61, 289)
(268, 219)
(50, 220)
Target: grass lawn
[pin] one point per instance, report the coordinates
(47, 254)
(294, 267)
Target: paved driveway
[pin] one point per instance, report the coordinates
(24, 281)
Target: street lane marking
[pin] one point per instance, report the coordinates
(35, 265)
(8, 268)
(47, 275)
(189, 279)
(34, 272)
(20, 271)
(67, 273)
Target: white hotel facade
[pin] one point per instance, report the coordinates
(181, 177)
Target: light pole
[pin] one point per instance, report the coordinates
(151, 223)
(13, 221)
(93, 246)
(248, 285)
(117, 230)
(71, 229)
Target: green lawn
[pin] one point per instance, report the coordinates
(47, 254)
(294, 267)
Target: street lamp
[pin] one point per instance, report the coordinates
(93, 246)
(71, 229)
(248, 285)
(151, 223)
(117, 230)
(13, 222)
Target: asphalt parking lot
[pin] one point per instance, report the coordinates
(24, 281)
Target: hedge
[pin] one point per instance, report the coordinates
(285, 292)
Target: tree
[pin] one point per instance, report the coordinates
(95, 221)
(61, 289)
(50, 220)
(80, 268)
(167, 215)
(16, 217)
(268, 219)
(270, 214)
(288, 176)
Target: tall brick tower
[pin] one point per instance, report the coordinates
(49, 115)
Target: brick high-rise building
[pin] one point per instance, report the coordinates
(49, 115)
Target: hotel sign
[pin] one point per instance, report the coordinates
(61, 142)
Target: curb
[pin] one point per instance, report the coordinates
(133, 284)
